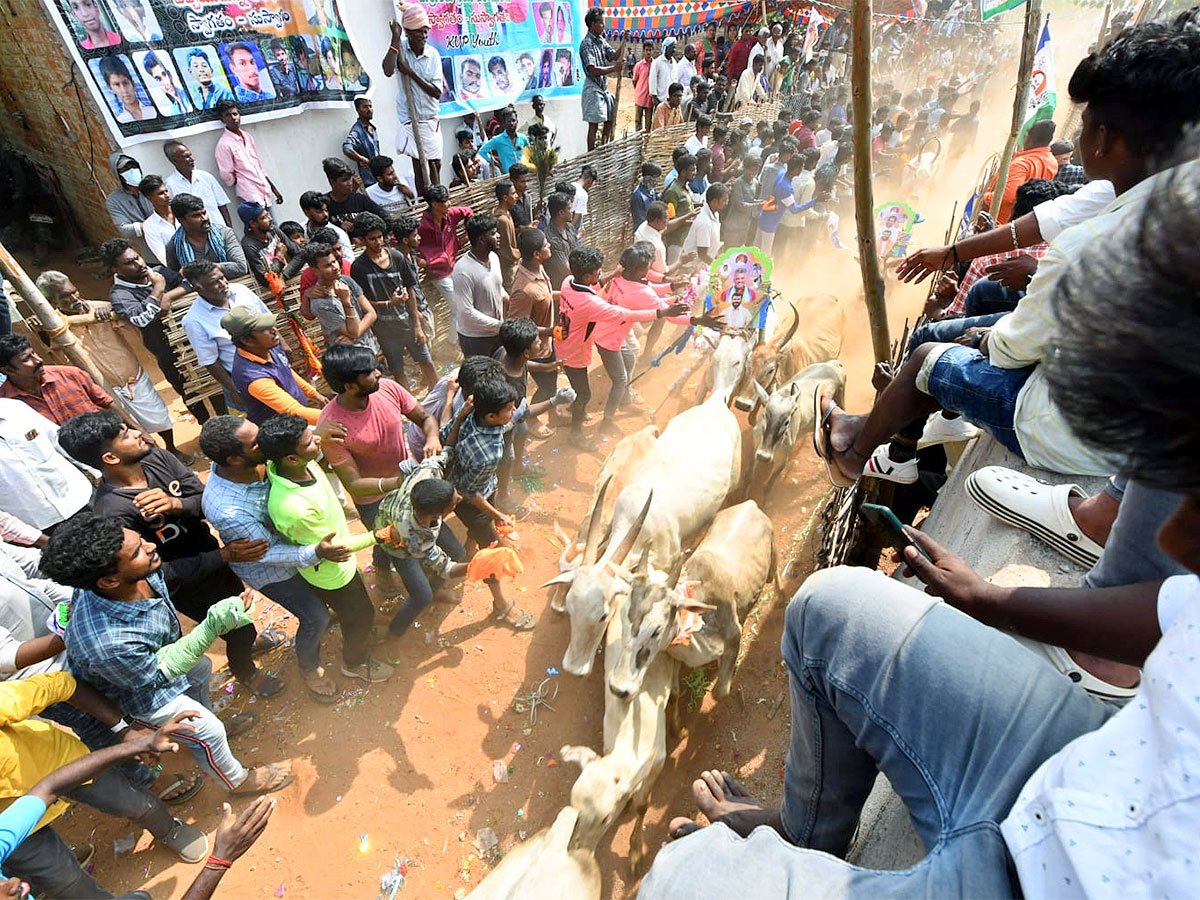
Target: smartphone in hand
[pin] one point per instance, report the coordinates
(883, 517)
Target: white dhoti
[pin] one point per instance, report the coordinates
(142, 401)
(430, 132)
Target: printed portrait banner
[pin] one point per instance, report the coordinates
(497, 52)
(159, 67)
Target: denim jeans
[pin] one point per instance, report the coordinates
(619, 365)
(1131, 553)
(420, 586)
(986, 297)
(947, 330)
(312, 617)
(957, 715)
(963, 381)
(366, 514)
(46, 862)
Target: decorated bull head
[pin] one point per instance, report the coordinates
(763, 366)
(771, 432)
(595, 588)
(655, 602)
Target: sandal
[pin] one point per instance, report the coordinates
(181, 789)
(539, 432)
(823, 444)
(323, 688)
(278, 779)
(268, 639)
(265, 685)
(239, 723)
(521, 513)
(523, 622)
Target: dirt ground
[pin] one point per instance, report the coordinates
(403, 771)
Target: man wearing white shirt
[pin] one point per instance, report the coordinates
(187, 179)
(1052, 791)
(662, 73)
(704, 237)
(215, 296)
(579, 204)
(651, 231)
(685, 70)
(160, 226)
(42, 485)
(699, 139)
(774, 49)
(759, 49)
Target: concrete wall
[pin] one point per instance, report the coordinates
(36, 64)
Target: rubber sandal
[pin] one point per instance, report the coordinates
(1061, 660)
(189, 789)
(188, 841)
(322, 688)
(521, 513)
(524, 621)
(268, 639)
(822, 444)
(1035, 506)
(274, 784)
(239, 723)
(267, 685)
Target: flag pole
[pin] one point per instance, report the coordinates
(1029, 39)
(864, 200)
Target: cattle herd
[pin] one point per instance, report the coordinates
(627, 580)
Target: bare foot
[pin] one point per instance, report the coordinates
(1095, 515)
(843, 432)
(723, 799)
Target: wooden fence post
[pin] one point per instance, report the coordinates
(1033, 26)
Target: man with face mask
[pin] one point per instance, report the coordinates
(127, 208)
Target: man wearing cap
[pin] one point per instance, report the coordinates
(662, 73)
(261, 371)
(267, 248)
(420, 68)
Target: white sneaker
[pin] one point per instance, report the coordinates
(940, 430)
(882, 466)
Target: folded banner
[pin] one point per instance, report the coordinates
(990, 8)
(159, 67)
(495, 53)
(1043, 89)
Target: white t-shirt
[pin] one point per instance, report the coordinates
(705, 232)
(158, 233)
(205, 186)
(647, 232)
(579, 204)
(695, 144)
(1057, 215)
(393, 202)
(1116, 812)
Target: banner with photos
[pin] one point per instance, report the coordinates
(158, 68)
(495, 53)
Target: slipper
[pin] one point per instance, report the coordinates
(823, 445)
(1035, 506)
(187, 789)
(321, 686)
(265, 685)
(239, 723)
(523, 622)
(539, 432)
(278, 781)
(521, 513)
(268, 639)
(1061, 660)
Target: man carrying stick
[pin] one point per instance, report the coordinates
(420, 68)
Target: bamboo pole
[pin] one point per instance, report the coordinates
(57, 329)
(1100, 41)
(1029, 37)
(864, 200)
(426, 179)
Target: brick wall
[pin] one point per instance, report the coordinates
(37, 95)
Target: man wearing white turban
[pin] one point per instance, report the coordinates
(421, 65)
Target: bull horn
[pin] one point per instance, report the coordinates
(676, 570)
(561, 578)
(760, 390)
(617, 556)
(791, 330)
(643, 566)
(591, 547)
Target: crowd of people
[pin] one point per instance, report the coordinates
(1031, 335)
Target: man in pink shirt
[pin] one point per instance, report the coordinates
(641, 88)
(438, 229)
(238, 162)
(581, 309)
(372, 460)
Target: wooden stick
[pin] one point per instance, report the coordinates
(617, 92)
(864, 200)
(1033, 25)
(426, 179)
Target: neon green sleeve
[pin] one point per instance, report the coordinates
(179, 657)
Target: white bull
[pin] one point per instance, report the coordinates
(822, 324)
(724, 577)
(787, 413)
(673, 494)
(544, 866)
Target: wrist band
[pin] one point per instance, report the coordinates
(215, 862)
(393, 48)
(379, 484)
(1012, 229)
(954, 253)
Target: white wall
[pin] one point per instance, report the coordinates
(293, 146)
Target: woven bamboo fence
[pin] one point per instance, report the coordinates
(607, 226)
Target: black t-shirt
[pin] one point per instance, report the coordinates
(379, 284)
(176, 536)
(522, 214)
(342, 213)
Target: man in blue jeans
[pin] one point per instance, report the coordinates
(1018, 781)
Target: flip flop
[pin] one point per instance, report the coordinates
(268, 639)
(524, 622)
(823, 444)
(189, 789)
(1035, 506)
(278, 781)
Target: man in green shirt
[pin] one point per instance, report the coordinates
(303, 505)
